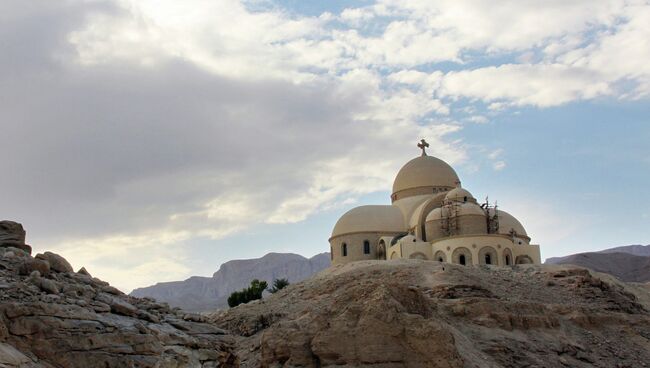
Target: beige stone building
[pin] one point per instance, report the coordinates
(431, 217)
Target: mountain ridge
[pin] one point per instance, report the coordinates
(629, 263)
(201, 293)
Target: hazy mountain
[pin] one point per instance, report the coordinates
(628, 263)
(637, 250)
(207, 293)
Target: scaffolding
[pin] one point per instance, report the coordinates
(491, 216)
(450, 222)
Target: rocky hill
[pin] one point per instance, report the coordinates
(210, 293)
(403, 313)
(628, 263)
(51, 316)
(412, 313)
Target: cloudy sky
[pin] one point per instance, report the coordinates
(153, 140)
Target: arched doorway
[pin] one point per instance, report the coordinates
(381, 250)
(507, 257)
(440, 256)
(488, 256)
(466, 258)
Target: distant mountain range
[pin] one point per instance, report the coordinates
(629, 263)
(198, 294)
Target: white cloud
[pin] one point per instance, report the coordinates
(164, 121)
(499, 165)
(495, 154)
(537, 85)
(478, 119)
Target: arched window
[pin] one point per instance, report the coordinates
(488, 259)
(344, 249)
(507, 260)
(331, 254)
(366, 247)
(465, 199)
(461, 259)
(440, 259)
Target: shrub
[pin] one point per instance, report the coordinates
(278, 284)
(253, 292)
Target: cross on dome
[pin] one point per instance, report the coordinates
(423, 145)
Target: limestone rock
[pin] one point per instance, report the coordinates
(10, 357)
(57, 263)
(12, 234)
(412, 313)
(67, 319)
(34, 264)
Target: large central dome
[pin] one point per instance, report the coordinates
(424, 175)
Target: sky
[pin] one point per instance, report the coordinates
(151, 141)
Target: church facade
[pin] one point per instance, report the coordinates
(433, 218)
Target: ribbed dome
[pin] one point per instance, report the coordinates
(508, 222)
(384, 219)
(425, 171)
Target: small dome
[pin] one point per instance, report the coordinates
(469, 208)
(384, 219)
(508, 223)
(459, 195)
(464, 209)
(437, 214)
(425, 171)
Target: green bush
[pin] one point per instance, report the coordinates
(278, 284)
(253, 292)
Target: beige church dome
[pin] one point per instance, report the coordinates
(372, 218)
(425, 172)
(464, 209)
(508, 222)
(459, 195)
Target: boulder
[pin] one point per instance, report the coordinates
(57, 263)
(12, 234)
(34, 264)
(72, 320)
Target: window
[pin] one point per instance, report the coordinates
(366, 247)
(461, 259)
(440, 259)
(344, 249)
(465, 199)
(331, 254)
(488, 259)
(507, 260)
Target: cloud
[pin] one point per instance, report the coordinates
(537, 85)
(131, 126)
(499, 165)
(121, 152)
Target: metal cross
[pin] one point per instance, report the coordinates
(423, 145)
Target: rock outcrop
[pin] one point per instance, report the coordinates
(12, 234)
(412, 313)
(199, 294)
(51, 316)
